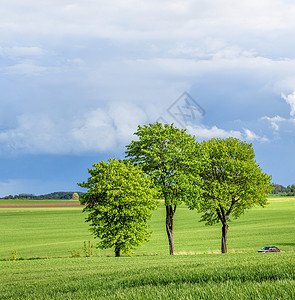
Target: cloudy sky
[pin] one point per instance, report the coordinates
(77, 77)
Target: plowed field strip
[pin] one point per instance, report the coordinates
(56, 204)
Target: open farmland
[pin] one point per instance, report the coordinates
(55, 232)
(4, 203)
(204, 276)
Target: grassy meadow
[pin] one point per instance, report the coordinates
(54, 232)
(204, 276)
(45, 239)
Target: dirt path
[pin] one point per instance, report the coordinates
(56, 204)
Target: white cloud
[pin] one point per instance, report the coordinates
(26, 67)
(126, 117)
(202, 40)
(290, 99)
(232, 60)
(108, 129)
(274, 121)
(17, 51)
(77, 77)
(250, 135)
(36, 134)
(124, 51)
(203, 132)
(94, 131)
(147, 19)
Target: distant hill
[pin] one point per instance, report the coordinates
(51, 196)
(277, 190)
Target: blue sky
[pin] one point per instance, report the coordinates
(78, 77)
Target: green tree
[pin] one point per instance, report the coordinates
(119, 201)
(167, 154)
(75, 196)
(232, 183)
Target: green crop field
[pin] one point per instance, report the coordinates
(46, 239)
(203, 276)
(54, 232)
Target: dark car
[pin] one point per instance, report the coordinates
(269, 249)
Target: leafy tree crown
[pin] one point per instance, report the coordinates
(119, 201)
(232, 181)
(168, 155)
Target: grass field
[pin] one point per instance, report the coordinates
(204, 276)
(54, 232)
(150, 274)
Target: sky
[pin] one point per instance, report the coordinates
(78, 77)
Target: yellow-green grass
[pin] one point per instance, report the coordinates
(274, 224)
(42, 232)
(204, 276)
(55, 232)
(151, 273)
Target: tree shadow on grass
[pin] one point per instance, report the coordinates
(287, 244)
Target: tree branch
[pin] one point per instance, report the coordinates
(233, 202)
(220, 215)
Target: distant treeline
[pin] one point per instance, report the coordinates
(284, 191)
(278, 189)
(53, 196)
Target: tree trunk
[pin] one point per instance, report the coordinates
(117, 251)
(170, 227)
(224, 238)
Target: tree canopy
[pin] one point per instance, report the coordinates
(51, 196)
(168, 155)
(284, 191)
(75, 196)
(119, 202)
(232, 182)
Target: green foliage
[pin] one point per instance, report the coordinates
(76, 253)
(14, 255)
(119, 201)
(51, 196)
(284, 191)
(232, 181)
(75, 197)
(87, 250)
(168, 155)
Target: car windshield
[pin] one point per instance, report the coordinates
(266, 248)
